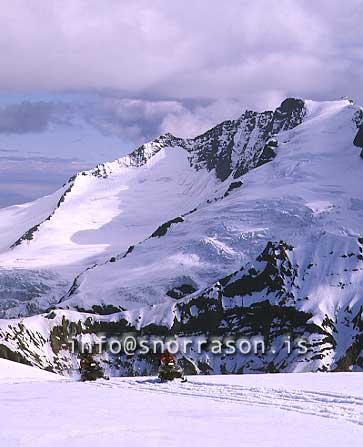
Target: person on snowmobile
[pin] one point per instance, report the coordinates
(167, 358)
(90, 369)
(86, 361)
(169, 369)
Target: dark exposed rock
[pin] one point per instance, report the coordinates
(358, 140)
(289, 115)
(28, 235)
(8, 354)
(232, 186)
(163, 229)
(268, 153)
(59, 336)
(104, 309)
(277, 276)
(352, 356)
(129, 250)
(213, 149)
(358, 118)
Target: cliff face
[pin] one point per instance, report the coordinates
(240, 145)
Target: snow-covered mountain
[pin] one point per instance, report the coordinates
(253, 228)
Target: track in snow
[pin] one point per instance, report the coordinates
(316, 403)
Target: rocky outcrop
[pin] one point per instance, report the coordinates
(243, 144)
(163, 229)
(358, 140)
(358, 120)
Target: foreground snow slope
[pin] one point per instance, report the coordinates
(11, 372)
(279, 410)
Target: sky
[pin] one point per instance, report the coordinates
(85, 81)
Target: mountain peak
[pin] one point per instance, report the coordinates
(291, 104)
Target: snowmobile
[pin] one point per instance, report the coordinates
(171, 371)
(92, 371)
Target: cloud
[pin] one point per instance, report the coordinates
(25, 117)
(137, 68)
(192, 121)
(140, 120)
(114, 74)
(133, 119)
(192, 49)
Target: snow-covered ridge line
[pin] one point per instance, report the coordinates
(138, 157)
(29, 234)
(231, 146)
